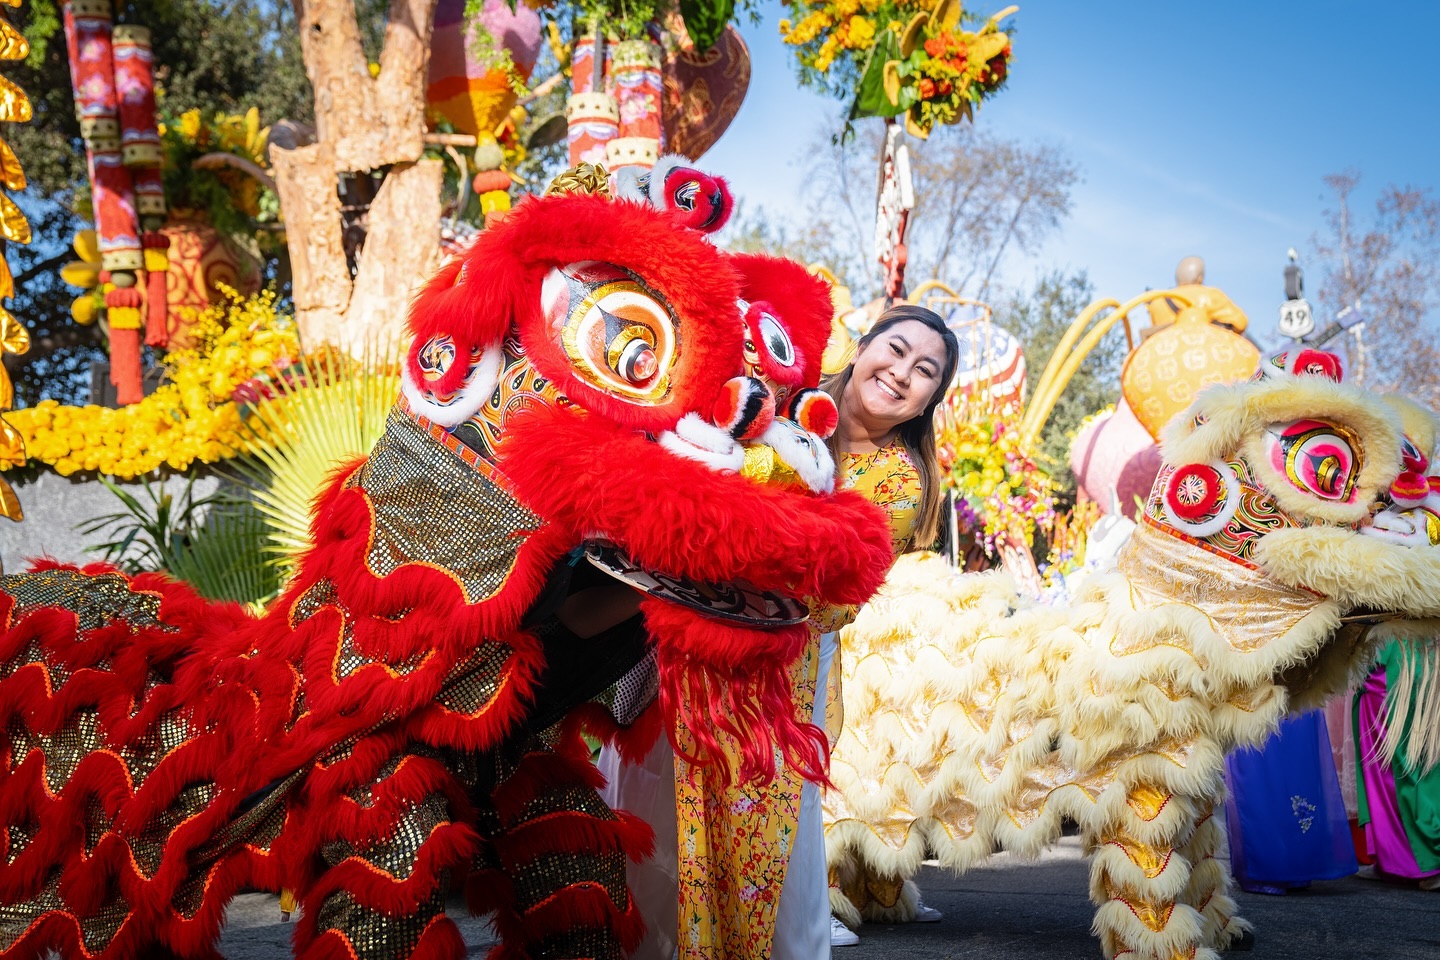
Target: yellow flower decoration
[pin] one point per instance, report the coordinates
(193, 417)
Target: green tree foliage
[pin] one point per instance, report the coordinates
(211, 55)
(1039, 316)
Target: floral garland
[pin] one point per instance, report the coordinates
(993, 478)
(189, 418)
(231, 197)
(896, 57)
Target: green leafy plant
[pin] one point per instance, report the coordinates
(227, 558)
(153, 527)
(216, 542)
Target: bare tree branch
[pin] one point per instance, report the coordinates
(1391, 266)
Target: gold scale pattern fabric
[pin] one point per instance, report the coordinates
(970, 727)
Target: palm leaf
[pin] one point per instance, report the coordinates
(333, 413)
(226, 557)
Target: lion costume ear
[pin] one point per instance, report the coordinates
(696, 199)
(458, 320)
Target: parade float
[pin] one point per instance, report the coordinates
(409, 160)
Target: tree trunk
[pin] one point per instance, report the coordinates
(362, 123)
(310, 202)
(401, 250)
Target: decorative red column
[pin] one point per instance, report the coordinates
(140, 147)
(89, 39)
(639, 90)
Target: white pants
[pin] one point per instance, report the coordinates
(648, 791)
(802, 918)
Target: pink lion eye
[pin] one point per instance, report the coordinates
(1317, 457)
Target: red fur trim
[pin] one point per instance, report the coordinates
(746, 408)
(699, 201)
(629, 489)
(816, 412)
(586, 904)
(573, 831)
(786, 375)
(440, 941)
(634, 742)
(448, 846)
(536, 773)
(730, 685)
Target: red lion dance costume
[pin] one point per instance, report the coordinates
(405, 717)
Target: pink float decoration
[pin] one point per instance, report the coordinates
(475, 96)
(1114, 452)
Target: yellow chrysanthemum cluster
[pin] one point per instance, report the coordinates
(237, 133)
(189, 418)
(996, 483)
(844, 25)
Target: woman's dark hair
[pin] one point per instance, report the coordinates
(918, 433)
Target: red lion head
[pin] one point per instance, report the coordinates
(630, 383)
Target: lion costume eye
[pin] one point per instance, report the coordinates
(1317, 457)
(777, 341)
(619, 335)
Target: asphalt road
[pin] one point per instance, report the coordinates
(1039, 911)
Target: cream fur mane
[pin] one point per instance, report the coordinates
(975, 722)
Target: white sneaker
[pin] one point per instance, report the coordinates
(924, 914)
(841, 935)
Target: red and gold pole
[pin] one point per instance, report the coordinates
(90, 42)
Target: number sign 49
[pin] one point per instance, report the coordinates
(1296, 319)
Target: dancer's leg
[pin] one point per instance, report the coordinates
(802, 921)
(647, 790)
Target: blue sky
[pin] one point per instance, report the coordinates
(1198, 127)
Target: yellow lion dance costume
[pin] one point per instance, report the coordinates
(1293, 528)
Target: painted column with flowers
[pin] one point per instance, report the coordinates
(141, 151)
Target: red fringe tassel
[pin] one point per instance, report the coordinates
(125, 366)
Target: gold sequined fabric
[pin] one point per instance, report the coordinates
(101, 609)
(97, 929)
(95, 600)
(395, 855)
(474, 685)
(373, 935)
(433, 509)
(1248, 608)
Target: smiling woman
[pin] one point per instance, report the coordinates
(888, 396)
